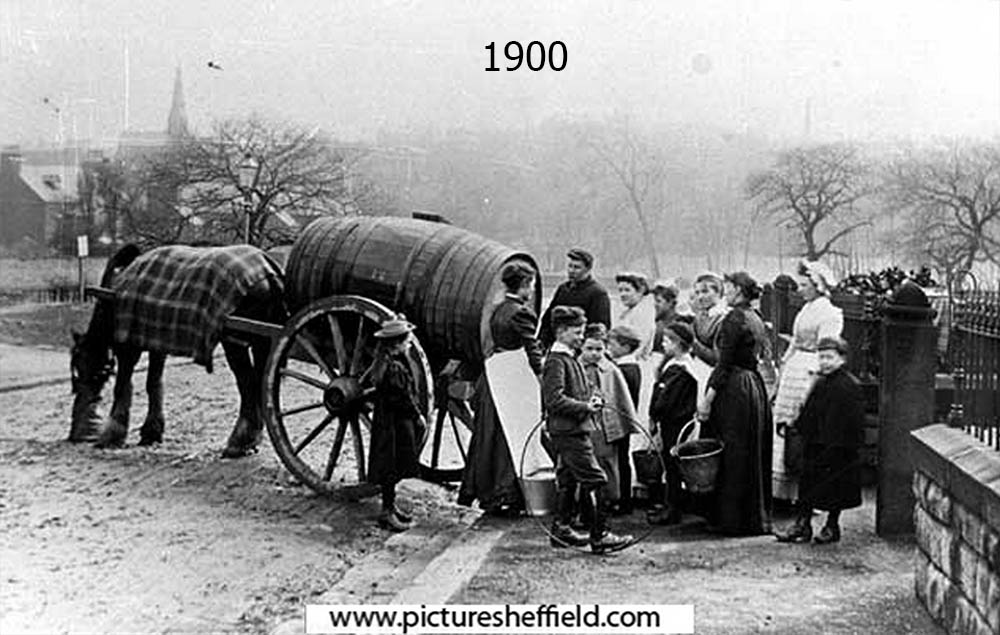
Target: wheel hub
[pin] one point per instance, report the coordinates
(341, 394)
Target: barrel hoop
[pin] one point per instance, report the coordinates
(432, 310)
(481, 288)
(466, 287)
(310, 282)
(301, 262)
(407, 290)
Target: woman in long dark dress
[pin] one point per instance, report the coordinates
(737, 411)
(832, 425)
(489, 474)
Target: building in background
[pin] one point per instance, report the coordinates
(40, 188)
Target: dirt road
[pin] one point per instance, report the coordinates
(166, 539)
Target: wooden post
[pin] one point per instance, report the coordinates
(82, 251)
(906, 402)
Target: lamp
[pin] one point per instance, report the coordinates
(247, 174)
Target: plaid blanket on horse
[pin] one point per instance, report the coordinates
(175, 299)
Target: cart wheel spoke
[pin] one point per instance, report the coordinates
(338, 444)
(436, 442)
(458, 439)
(303, 377)
(359, 346)
(338, 342)
(359, 449)
(299, 409)
(366, 420)
(313, 434)
(304, 341)
(315, 365)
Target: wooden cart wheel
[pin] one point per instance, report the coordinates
(449, 431)
(314, 395)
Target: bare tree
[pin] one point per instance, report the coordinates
(297, 171)
(195, 182)
(951, 201)
(636, 167)
(813, 191)
(156, 213)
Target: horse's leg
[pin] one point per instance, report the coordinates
(152, 429)
(114, 432)
(246, 433)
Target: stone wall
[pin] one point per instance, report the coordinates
(956, 484)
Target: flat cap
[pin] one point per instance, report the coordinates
(680, 332)
(838, 344)
(563, 315)
(596, 331)
(582, 255)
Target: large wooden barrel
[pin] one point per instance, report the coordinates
(445, 280)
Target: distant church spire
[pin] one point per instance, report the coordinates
(177, 126)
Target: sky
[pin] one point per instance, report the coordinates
(791, 70)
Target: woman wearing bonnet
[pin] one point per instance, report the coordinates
(817, 319)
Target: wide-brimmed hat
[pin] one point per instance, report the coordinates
(394, 328)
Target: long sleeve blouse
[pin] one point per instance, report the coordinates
(741, 339)
(641, 317)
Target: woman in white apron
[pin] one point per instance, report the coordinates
(818, 318)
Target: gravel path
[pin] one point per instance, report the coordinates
(165, 539)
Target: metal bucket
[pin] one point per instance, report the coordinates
(539, 489)
(698, 459)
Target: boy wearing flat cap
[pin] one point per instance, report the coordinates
(673, 404)
(570, 406)
(831, 423)
(579, 290)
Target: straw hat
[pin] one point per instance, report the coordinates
(394, 328)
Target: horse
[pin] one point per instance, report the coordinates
(199, 287)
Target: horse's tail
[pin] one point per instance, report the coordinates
(121, 259)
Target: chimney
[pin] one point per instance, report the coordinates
(10, 160)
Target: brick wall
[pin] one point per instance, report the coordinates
(956, 484)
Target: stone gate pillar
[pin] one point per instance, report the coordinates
(906, 402)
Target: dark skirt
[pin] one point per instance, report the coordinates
(489, 474)
(394, 453)
(831, 478)
(741, 418)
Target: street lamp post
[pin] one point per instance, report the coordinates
(247, 175)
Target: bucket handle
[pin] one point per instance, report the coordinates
(682, 436)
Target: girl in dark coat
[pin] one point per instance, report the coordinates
(398, 425)
(737, 411)
(831, 423)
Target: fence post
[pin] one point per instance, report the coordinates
(906, 402)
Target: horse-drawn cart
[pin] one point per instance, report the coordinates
(343, 277)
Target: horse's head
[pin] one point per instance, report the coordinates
(90, 363)
(90, 366)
